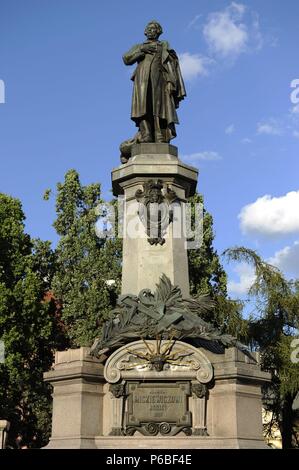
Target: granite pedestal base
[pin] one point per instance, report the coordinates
(83, 406)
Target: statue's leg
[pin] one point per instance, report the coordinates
(146, 124)
(160, 132)
(146, 131)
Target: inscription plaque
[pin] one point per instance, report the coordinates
(158, 407)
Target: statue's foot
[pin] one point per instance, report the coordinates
(160, 139)
(146, 139)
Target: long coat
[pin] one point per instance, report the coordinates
(153, 72)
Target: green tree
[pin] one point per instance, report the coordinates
(85, 262)
(207, 276)
(28, 327)
(272, 332)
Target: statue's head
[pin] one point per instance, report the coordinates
(155, 195)
(154, 191)
(153, 30)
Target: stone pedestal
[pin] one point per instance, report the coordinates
(87, 415)
(77, 381)
(143, 263)
(235, 406)
(198, 399)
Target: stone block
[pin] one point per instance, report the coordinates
(77, 381)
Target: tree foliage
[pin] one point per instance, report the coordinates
(207, 276)
(28, 327)
(85, 262)
(272, 332)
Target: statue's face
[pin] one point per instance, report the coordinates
(155, 195)
(151, 31)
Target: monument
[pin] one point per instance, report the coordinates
(159, 376)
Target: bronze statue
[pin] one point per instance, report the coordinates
(158, 89)
(162, 315)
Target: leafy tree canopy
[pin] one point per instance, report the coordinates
(86, 264)
(207, 276)
(28, 327)
(272, 332)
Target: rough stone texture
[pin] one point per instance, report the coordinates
(77, 380)
(235, 407)
(143, 264)
(83, 413)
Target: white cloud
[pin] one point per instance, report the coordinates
(230, 129)
(194, 65)
(287, 259)
(257, 36)
(246, 140)
(207, 155)
(270, 127)
(286, 125)
(225, 32)
(246, 279)
(237, 8)
(271, 216)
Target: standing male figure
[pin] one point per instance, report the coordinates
(158, 87)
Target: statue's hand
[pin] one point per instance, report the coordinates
(149, 48)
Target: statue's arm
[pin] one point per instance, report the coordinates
(135, 54)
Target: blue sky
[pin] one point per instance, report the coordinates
(68, 95)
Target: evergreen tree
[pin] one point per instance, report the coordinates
(272, 332)
(28, 328)
(207, 276)
(205, 270)
(85, 262)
